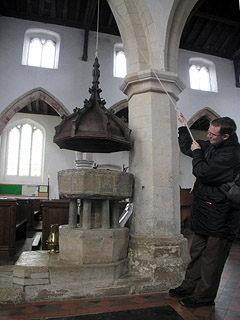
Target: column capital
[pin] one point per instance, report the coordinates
(152, 81)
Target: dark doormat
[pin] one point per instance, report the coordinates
(157, 313)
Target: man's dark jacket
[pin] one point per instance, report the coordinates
(213, 165)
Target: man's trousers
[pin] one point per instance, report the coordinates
(208, 257)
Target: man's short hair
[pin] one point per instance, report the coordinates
(227, 125)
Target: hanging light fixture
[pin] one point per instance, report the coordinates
(93, 128)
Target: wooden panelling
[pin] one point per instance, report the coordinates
(53, 212)
(8, 210)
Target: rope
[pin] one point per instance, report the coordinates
(96, 53)
(174, 104)
(165, 90)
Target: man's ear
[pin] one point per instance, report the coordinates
(226, 136)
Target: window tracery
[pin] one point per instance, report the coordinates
(41, 48)
(202, 75)
(24, 151)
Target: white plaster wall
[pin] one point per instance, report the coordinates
(225, 102)
(69, 83)
(55, 158)
(121, 159)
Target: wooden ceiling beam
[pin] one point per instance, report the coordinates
(29, 107)
(41, 8)
(45, 107)
(53, 9)
(236, 63)
(194, 32)
(90, 12)
(65, 9)
(211, 17)
(37, 105)
(231, 35)
(78, 7)
(29, 6)
(212, 39)
(85, 45)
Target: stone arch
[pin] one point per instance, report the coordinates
(138, 33)
(139, 23)
(207, 112)
(131, 27)
(178, 17)
(32, 95)
(199, 123)
(120, 109)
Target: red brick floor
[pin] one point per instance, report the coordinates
(227, 303)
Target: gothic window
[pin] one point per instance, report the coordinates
(120, 64)
(41, 48)
(199, 78)
(24, 150)
(202, 75)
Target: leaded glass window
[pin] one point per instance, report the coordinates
(24, 151)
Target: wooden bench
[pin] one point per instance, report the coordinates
(21, 229)
(8, 209)
(37, 241)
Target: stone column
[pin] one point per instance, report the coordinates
(86, 215)
(72, 221)
(156, 249)
(115, 213)
(105, 214)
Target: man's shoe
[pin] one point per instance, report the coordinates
(179, 292)
(192, 302)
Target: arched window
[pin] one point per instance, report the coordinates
(24, 151)
(199, 78)
(41, 53)
(120, 64)
(202, 75)
(41, 48)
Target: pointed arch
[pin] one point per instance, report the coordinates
(139, 23)
(130, 25)
(206, 112)
(120, 109)
(22, 101)
(177, 20)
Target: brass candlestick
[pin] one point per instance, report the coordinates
(53, 239)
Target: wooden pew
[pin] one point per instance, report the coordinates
(53, 212)
(23, 218)
(37, 241)
(8, 213)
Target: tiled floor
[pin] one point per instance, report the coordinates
(227, 303)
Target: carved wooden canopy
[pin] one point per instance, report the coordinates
(93, 128)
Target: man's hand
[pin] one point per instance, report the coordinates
(182, 119)
(195, 145)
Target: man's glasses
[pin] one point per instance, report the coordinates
(213, 134)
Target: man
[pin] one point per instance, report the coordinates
(214, 220)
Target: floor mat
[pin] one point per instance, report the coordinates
(157, 313)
